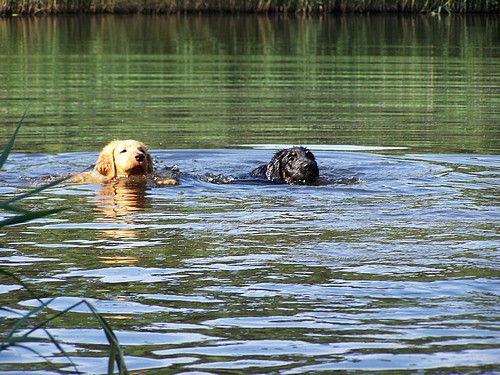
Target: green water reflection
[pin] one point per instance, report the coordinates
(431, 84)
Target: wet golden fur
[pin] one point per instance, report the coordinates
(122, 158)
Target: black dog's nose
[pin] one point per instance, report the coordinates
(139, 157)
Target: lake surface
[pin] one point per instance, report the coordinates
(391, 266)
(428, 83)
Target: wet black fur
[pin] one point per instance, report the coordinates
(296, 165)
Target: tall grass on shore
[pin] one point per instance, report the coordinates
(12, 7)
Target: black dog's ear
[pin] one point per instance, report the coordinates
(275, 166)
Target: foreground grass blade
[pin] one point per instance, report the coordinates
(26, 215)
(32, 192)
(9, 146)
(18, 341)
(11, 339)
(29, 216)
(115, 353)
(20, 282)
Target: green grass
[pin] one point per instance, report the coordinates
(234, 6)
(19, 335)
(10, 205)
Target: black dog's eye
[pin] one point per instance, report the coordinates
(292, 156)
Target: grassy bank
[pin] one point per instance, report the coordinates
(11, 7)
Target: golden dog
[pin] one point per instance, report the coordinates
(123, 158)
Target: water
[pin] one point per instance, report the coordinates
(180, 82)
(390, 266)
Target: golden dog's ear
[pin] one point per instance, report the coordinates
(105, 163)
(150, 162)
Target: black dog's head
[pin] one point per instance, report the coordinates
(296, 165)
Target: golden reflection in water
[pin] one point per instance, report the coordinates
(119, 200)
(118, 259)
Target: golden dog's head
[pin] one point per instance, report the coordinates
(124, 158)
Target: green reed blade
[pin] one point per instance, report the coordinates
(31, 350)
(13, 208)
(20, 282)
(29, 216)
(12, 340)
(8, 148)
(15, 328)
(116, 353)
(32, 192)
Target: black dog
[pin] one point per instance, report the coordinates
(296, 165)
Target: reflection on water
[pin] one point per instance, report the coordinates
(395, 273)
(120, 199)
(175, 82)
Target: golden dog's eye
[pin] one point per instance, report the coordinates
(122, 151)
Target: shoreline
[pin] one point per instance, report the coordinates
(307, 7)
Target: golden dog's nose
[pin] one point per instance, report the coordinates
(139, 157)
